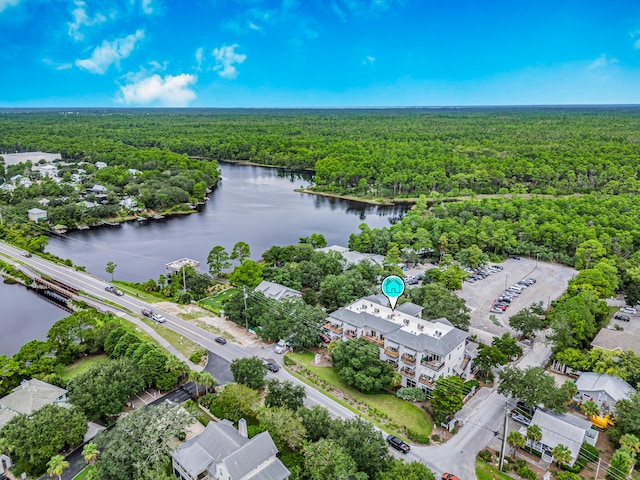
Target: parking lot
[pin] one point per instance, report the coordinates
(551, 283)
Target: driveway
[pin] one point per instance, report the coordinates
(219, 368)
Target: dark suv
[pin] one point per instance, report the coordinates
(398, 444)
(624, 318)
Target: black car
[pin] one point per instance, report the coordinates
(273, 367)
(624, 318)
(220, 340)
(398, 444)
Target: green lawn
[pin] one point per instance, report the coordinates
(485, 471)
(397, 410)
(84, 473)
(184, 345)
(82, 365)
(132, 289)
(214, 302)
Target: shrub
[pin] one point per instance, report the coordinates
(486, 456)
(567, 476)
(436, 438)
(527, 473)
(590, 452)
(287, 361)
(418, 437)
(412, 394)
(196, 357)
(207, 400)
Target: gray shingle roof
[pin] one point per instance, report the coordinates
(276, 291)
(31, 396)
(615, 387)
(618, 340)
(410, 309)
(251, 456)
(273, 471)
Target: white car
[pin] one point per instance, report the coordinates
(158, 318)
(630, 310)
(280, 349)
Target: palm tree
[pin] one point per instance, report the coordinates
(56, 466)
(590, 408)
(516, 440)
(175, 365)
(195, 378)
(90, 453)
(534, 434)
(562, 454)
(631, 443)
(207, 380)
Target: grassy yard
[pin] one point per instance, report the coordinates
(185, 346)
(214, 302)
(132, 289)
(82, 365)
(485, 471)
(84, 473)
(387, 406)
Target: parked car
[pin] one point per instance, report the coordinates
(220, 340)
(147, 313)
(630, 310)
(398, 444)
(324, 338)
(280, 349)
(624, 318)
(515, 257)
(449, 476)
(496, 310)
(158, 318)
(273, 367)
(112, 289)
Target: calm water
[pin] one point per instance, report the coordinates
(24, 316)
(251, 204)
(255, 205)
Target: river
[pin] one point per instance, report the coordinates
(252, 204)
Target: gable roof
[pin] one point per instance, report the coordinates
(220, 442)
(251, 456)
(276, 291)
(615, 387)
(410, 308)
(556, 430)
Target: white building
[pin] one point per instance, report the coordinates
(421, 350)
(603, 389)
(351, 257)
(36, 214)
(275, 291)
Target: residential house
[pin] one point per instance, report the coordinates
(275, 291)
(97, 189)
(47, 170)
(421, 350)
(352, 257)
(617, 341)
(100, 165)
(566, 429)
(36, 214)
(603, 389)
(221, 452)
(29, 397)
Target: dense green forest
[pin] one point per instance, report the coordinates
(371, 153)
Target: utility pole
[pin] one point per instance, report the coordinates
(246, 320)
(504, 433)
(184, 280)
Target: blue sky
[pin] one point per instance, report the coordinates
(318, 53)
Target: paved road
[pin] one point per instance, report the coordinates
(482, 416)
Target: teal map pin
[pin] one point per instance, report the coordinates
(392, 288)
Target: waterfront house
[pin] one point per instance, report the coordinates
(351, 257)
(29, 397)
(36, 214)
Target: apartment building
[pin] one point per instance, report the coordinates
(421, 350)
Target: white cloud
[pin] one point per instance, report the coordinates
(4, 4)
(80, 19)
(147, 6)
(110, 52)
(636, 44)
(57, 65)
(226, 58)
(602, 62)
(369, 60)
(199, 53)
(171, 91)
